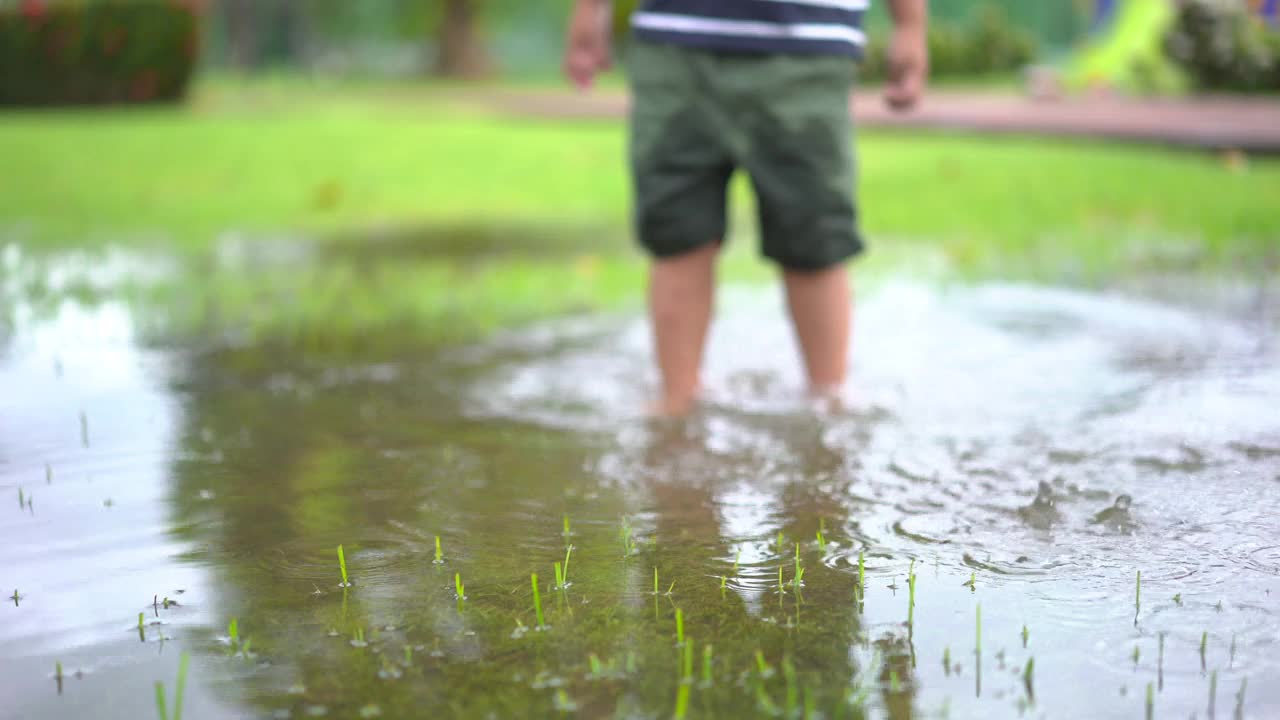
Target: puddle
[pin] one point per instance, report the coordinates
(1021, 449)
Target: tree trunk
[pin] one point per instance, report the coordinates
(242, 33)
(462, 54)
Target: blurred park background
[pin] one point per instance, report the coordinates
(320, 167)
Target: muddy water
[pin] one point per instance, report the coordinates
(1025, 451)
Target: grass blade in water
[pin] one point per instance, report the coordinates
(537, 600)
(342, 565)
(161, 711)
(181, 688)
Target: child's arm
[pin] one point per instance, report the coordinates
(908, 53)
(587, 46)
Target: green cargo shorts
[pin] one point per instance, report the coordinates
(698, 115)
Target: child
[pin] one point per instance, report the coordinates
(761, 85)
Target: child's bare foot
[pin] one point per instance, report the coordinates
(674, 405)
(827, 400)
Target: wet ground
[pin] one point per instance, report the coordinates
(1009, 460)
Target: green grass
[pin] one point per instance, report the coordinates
(162, 710)
(421, 204)
(1213, 691)
(335, 161)
(342, 565)
(977, 644)
(537, 601)
(911, 593)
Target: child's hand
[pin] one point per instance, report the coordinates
(587, 49)
(908, 68)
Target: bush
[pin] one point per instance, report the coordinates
(1222, 47)
(987, 44)
(96, 51)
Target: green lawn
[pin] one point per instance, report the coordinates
(323, 162)
(544, 203)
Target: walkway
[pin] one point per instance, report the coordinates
(1211, 123)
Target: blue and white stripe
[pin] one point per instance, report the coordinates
(770, 26)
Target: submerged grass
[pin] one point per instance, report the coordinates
(591, 630)
(911, 593)
(180, 689)
(627, 535)
(792, 706)
(682, 702)
(687, 653)
(799, 571)
(1160, 659)
(162, 710)
(977, 614)
(1137, 596)
(1213, 693)
(537, 601)
(342, 565)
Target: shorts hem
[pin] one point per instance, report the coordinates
(809, 264)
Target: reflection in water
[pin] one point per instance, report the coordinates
(1045, 443)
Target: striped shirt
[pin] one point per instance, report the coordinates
(832, 27)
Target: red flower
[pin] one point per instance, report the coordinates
(190, 45)
(194, 7)
(33, 9)
(113, 41)
(144, 86)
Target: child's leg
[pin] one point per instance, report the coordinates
(821, 305)
(681, 297)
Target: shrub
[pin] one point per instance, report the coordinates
(1222, 47)
(988, 43)
(96, 51)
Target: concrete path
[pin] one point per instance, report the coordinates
(1210, 123)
